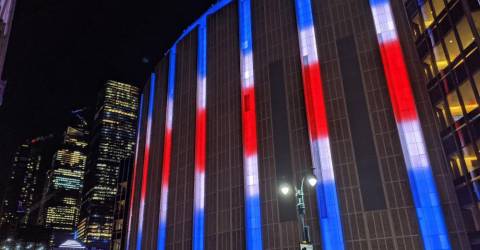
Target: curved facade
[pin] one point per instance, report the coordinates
(257, 93)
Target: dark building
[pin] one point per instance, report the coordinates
(257, 93)
(21, 199)
(62, 194)
(112, 139)
(7, 8)
(446, 35)
(121, 201)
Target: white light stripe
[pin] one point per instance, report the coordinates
(322, 160)
(201, 93)
(251, 174)
(169, 115)
(199, 191)
(308, 46)
(384, 25)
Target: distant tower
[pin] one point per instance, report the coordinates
(65, 183)
(23, 192)
(112, 139)
(7, 8)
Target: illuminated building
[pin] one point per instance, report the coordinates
(446, 35)
(65, 183)
(7, 8)
(112, 139)
(256, 93)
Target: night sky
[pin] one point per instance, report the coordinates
(61, 52)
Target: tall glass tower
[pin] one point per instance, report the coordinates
(446, 34)
(65, 182)
(112, 139)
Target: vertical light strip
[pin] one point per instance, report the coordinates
(146, 162)
(253, 220)
(134, 175)
(327, 198)
(422, 184)
(200, 136)
(167, 149)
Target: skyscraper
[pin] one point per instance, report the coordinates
(22, 196)
(446, 36)
(7, 8)
(258, 93)
(112, 139)
(65, 182)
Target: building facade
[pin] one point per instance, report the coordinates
(112, 139)
(446, 35)
(7, 8)
(62, 194)
(22, 197)
(120, 213)
(257, 93)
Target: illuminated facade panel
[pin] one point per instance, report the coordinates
(253, 218)
(167, 150)
(146, 160)
(327, 198)
(200, 139)
(422, 183)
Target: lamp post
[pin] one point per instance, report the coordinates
(299, 194)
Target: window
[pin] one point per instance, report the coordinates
(455, 165)
(465, 32)
(440, 58)
(471, 161)
(438, 6)
(476, 78)
(454, 106)
(429, 69)
(427, 14)
(466, 91)
(441, 114)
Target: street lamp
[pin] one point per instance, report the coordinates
(285, 190)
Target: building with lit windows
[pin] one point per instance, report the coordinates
(65, 182)
(446, 35)
(112, 139)
(7, 8)
(258, 93)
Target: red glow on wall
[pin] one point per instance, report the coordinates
(314, 99)
(249, 121)
(200, 140)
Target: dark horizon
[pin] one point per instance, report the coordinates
(60, 54)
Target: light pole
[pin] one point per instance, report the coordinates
(299, 194)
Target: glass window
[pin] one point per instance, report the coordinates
(471, 161)
(417, 26)
(441, 114)
(476, 78)
(455, 166)
(476, 18)
(454, 106)
(438, 6)
(465, 32)
(429, 66)
(440, 58)
(427, 14)
(452, 45)
(468, 96)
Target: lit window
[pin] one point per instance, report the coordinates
(438, 6)
(427, 14)
(455, 165)
(441, 114)
(452, 45)
(454, 106)
(468, 96)
(476, 78)
(470, 158)
(440, 58)
(465, 32)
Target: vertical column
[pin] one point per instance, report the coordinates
(327, 200)
(253, 220)
(134, 175)
(422, 184)
(146, 160)
(167, 149)
(200, 136)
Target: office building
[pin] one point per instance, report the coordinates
(112, 139)
(257, 93)
(7, 8)
(22, 195)
(65, 182)
(446, 35)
